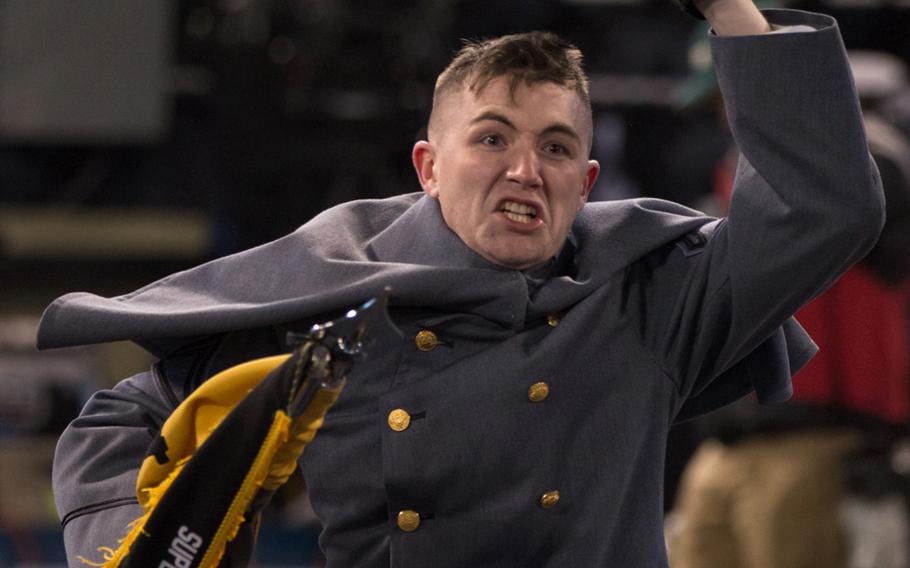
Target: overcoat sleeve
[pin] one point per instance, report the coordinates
(99, 454)
(97, 463)
(807, 204)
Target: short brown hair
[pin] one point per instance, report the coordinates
(528, 58)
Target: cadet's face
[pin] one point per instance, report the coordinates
(510, 173)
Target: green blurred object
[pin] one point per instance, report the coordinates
(701, 84)
(700, 87)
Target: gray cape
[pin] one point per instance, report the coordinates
(352, 252)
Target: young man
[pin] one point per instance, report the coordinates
(548, 345)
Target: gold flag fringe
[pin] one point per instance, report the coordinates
(230, 525)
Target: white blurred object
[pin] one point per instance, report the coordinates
(877, 74)
(877, 532)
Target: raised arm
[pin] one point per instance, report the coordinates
(806, 205)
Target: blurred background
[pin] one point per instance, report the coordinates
(141, 137)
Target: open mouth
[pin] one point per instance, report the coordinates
(518, 212)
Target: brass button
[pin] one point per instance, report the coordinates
(426, 340)
(408, 520)
(549, 499)
(553, 319)
(538, 391)
(399, 420)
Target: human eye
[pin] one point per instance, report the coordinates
(492, 140)
(556, 149)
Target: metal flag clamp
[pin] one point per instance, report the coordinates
(333, 346)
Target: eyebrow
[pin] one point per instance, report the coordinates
(557, 128)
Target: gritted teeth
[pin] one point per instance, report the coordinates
(518, 211)
(517, 217)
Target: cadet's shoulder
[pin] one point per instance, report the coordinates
(638, 206)
(637, 215)
(620, 233)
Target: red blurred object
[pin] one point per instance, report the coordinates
(863, 365)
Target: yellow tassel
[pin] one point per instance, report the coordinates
(278, 434)
(113, 558)
(230, 525)
(106, 551)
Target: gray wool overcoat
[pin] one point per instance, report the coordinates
(539, 414)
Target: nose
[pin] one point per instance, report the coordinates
(524, 167)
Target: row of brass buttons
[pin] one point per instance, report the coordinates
(537, 393)
(427, 341)
(409, 520)
(399, 419)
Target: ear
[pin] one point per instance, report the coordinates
(424, 158)
(590, 178)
